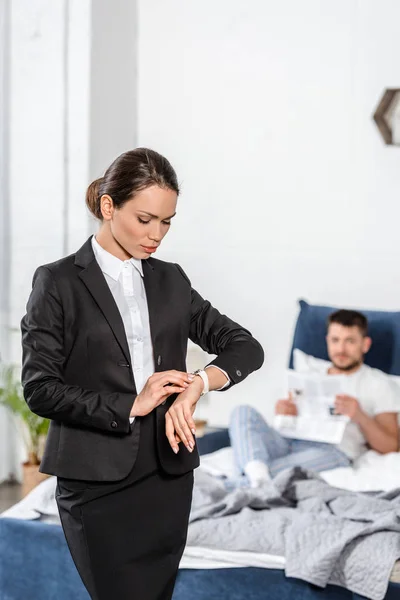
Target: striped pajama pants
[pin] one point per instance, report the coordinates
(253, 439)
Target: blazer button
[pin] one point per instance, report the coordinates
(114, 424)
(159, 360)
(239, 373)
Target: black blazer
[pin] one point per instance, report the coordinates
(76, 367)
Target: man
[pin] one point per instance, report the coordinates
(372, 402)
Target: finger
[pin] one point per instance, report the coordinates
(166, 380)
(185, 373)
(177, 376)
(280, 407)
(190, 421)
(179, 429)
(185, 427)
(169, 390)
(170, 433)
(288, 401)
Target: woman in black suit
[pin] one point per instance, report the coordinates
(104, 347)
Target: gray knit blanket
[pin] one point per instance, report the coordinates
(327, 535)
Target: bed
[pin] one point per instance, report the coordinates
(36, 565)
(34, 559)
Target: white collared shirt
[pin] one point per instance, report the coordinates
(125, 280)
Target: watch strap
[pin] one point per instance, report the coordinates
(201, 373)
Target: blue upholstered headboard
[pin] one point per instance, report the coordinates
(384, 329)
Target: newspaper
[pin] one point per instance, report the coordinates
(314, 395)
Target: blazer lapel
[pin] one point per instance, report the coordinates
(152, 288)
(95, 282)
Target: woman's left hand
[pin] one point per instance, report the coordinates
(179, 423)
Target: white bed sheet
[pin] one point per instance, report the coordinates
(372, 472)
(208, 558)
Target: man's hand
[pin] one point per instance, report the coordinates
(348, 406)
(286, 407)
(179, 423)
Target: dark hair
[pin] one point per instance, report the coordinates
(130, 173)
(350, 318)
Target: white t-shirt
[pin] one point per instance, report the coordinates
(375, 391)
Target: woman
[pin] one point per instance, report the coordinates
(104, 347)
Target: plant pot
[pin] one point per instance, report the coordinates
(31, 478)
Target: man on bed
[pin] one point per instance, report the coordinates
(372, 403)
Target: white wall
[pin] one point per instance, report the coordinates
(72, 109)
(48, 52)
(48, 139)
(7, 446)
(264, 108)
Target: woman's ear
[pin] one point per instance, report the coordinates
(106, 207)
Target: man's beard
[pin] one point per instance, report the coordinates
(349, 367)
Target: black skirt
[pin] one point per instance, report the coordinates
(127, 537)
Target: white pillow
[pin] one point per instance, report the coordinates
(303, 363)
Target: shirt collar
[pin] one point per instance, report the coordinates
(361, 369)
(110, 264)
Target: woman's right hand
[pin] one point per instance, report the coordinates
(157, 389)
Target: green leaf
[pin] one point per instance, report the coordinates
(11, 396)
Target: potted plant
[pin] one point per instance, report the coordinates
(33, 428)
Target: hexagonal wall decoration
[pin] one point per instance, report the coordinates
(387, 116)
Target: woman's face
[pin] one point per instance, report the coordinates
(140, 225)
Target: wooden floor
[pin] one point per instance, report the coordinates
(10, 493)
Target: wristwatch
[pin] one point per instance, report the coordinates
(204, 377)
